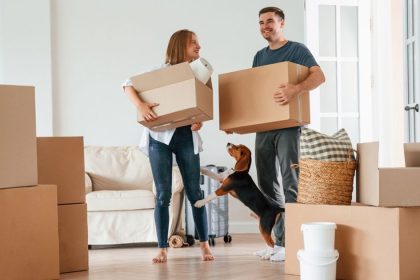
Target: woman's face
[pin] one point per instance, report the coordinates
(193, 49)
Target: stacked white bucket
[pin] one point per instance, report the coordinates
(318, 259)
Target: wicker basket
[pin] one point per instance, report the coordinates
(323, 182)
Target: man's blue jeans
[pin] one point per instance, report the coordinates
(160, 156)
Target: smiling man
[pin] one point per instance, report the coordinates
(278, 149)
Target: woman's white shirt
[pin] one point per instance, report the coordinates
(163, 136)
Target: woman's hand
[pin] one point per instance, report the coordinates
(146, 110)
(196, 126)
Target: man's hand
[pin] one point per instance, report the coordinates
(196, 126)
(146, 110)
(285, 93)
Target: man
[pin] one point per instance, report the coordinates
(278, 149)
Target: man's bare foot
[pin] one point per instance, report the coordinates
(162, 256)
(206, 254)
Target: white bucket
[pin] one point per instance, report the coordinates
(318, 238)
(202, 69)
(317, 267)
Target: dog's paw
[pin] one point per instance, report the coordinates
(267, 254)
(200, 203)
(265, 257)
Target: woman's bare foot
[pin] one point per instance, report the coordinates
(206, 254)
(162, 256)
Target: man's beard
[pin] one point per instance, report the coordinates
(268, 37)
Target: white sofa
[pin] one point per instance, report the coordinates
(120, 196)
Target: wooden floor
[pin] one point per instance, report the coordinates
(233, 261)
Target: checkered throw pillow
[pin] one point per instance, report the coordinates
(318, 146)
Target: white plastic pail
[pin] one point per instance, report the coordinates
(319, 237)
(317, 266)
(202, 69)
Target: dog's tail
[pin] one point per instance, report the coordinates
(274, 204)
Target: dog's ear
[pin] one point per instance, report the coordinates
(244, 161)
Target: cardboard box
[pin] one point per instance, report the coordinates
(61, 162)
(29, 233)
(394, 187)
(182, 98)
(72, 228)
(246, 101)
(373, 242)
(18, 136)
(412, 154)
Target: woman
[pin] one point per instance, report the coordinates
(184, 142)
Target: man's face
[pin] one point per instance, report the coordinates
(271, 26)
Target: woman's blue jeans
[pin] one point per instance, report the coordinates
(160, 156)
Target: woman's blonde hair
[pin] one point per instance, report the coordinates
(176, 51)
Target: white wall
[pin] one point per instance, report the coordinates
(78, 52)
(25, 53)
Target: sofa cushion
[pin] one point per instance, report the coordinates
(118, 168)
(120, 200)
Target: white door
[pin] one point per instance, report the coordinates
(412, 70)
(334, 29)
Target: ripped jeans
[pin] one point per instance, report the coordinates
(160, 156)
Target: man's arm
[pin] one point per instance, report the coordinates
(315, 78)
(286, 92)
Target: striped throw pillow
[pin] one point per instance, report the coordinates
(318, 146)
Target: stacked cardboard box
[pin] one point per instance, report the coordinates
(373, 242)
(246, 101)
(28, 211)
(387, 187)
(18, 137)
(61, 162)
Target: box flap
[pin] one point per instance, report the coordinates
(162, 77)
(368, 173)
(412, 154)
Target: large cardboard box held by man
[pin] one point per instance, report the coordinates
(73, 236)
(18, 136)
(29, 233)
(388, 187)
(182, 99)
(61, 162)
(246, 102)
(373, 242)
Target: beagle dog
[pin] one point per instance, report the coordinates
(241, 186)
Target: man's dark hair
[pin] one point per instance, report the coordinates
(275, 10)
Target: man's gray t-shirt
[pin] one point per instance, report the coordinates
(292, 51)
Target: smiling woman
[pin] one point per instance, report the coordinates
(183, 142)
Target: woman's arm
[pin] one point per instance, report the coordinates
(145, 109)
